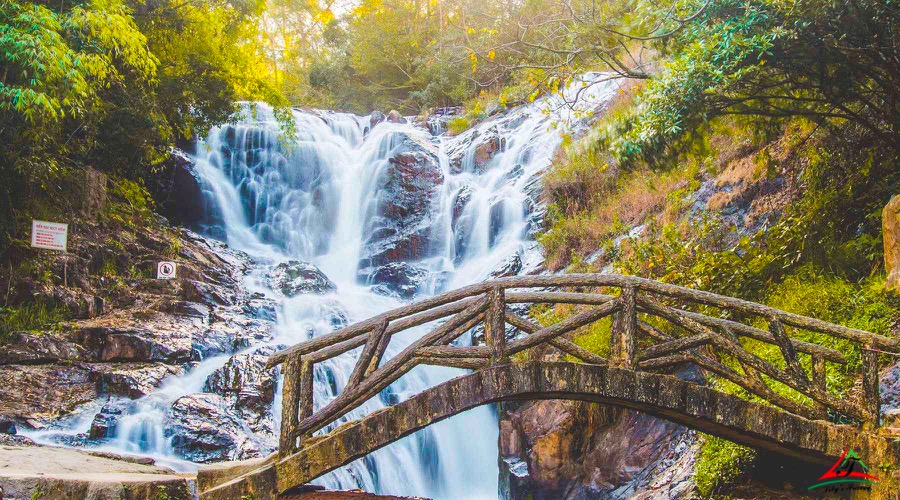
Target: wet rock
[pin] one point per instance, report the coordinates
(294, 277)
(104, 424)
(131, 343)
(7, 426)
(460, 201)
(534, 208)
(400, 226)
(890, 223)
(473, 151)
(510, 266)
(204, 429)
(556, 449)
(179, 192)
(485, 151)
(394, 116)
(189, 309)
(40, 393)
(375, 118)
(513, 174)
(497, 218)
(398, 278)
(133, 380)
(262, 308)
(15, 440)
(245, 378)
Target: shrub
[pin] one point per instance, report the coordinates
(720, 463)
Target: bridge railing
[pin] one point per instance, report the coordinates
(635, 344)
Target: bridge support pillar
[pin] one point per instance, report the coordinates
(623, 345)
(871, 389)
(495, 326)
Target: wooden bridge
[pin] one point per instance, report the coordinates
(656, 328)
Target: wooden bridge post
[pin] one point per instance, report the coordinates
(290, 403)
(495, 325)
(306, 395)
(819, 383)
(623, 345)
(871, 388)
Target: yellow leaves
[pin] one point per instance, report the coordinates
(470, 30)
(491, 55)
(474, 58)
(324, 16)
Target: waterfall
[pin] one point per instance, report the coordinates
(389, 212)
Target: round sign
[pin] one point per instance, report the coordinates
(165, 270)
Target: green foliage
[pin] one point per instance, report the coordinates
(721, 463)
(769, 58)
(458, 125)
(130, 204)
(112, 84)
(30, 316)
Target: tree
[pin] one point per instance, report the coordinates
(113, 85)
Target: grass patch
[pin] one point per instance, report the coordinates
(30, 317)
(458, 125)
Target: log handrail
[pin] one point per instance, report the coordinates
(635, 344)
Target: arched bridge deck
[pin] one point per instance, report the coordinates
(641, 346)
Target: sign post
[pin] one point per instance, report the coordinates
(52, 236)
(165, 270)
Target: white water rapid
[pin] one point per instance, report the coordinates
(389, 212)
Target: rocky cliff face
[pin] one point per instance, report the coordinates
(129, 333)
(577, 450)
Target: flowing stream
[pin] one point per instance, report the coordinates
(389, 212)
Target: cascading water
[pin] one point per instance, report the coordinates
(387, 211)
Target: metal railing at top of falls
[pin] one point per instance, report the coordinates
(635, 344)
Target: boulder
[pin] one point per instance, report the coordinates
(485, 151)
(38, 394)
(459, 204)
(890, 223)
(294, 277)
(182, 200)
(401, 279)
(105, 421)
(7, 426)
(473, 151)
(399, 225)
(245, 378)
(394, 116)
(496, 220)
(204, 428)
(510, 266)
(375, 118)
